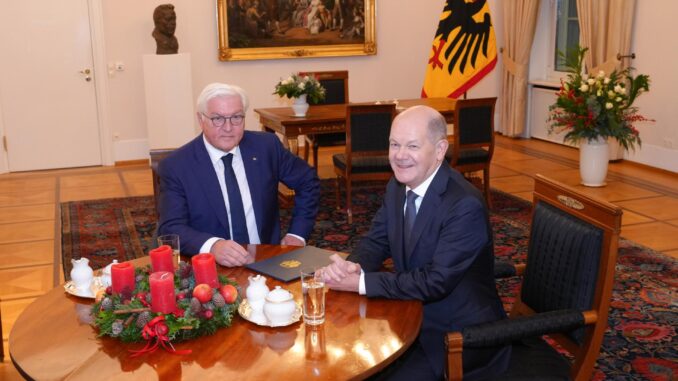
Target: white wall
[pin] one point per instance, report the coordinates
(405, 30)
(656, 55)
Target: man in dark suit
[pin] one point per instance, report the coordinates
(221, 189)
(435, 227)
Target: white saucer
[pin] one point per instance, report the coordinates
(90, 293)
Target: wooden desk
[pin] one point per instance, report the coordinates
(326, 119)
(53, 340)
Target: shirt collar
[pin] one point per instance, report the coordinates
(216, 154)
(423, 187)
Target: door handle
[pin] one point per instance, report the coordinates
(86, 72)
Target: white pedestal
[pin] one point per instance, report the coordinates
(170, 115)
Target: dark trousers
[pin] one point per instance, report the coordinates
(412, 365)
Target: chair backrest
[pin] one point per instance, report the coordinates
(473, 126)
(156, 156)
(335, 84)
(368, 126)
(570, 264)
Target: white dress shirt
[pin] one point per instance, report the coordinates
(420, 191)
(239, 170)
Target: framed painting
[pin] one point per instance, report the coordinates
(271, 29)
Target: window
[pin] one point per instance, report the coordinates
(567, 31)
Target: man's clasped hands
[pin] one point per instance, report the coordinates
(341, 274)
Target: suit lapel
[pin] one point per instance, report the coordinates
(204, 170)
(428, 208)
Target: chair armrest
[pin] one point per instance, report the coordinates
(508, 330)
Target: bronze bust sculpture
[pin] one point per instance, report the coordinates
(165, 23)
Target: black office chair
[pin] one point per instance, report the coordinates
(565, 293)
(368, 126)
(336, 92)
(473, 138)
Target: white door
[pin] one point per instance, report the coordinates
(47, 93)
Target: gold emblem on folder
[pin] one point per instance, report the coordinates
(290, 264)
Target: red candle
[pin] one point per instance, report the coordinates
(161, 259)
(122, 276)
(162, 292)
(205, 269)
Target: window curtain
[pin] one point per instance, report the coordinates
(520, 20)
(605, 28)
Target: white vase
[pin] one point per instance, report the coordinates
(300, 106)
(593, 160)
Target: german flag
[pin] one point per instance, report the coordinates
(464, 49)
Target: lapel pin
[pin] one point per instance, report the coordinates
(254, 158)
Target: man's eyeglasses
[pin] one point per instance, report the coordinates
(220, 120)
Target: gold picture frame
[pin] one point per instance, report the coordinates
(255, 37)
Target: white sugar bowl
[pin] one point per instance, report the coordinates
(279, 306)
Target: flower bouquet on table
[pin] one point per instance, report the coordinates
(296, 86)
(184, 310)
(589, 106)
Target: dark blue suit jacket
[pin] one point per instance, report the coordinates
(192, 205)
(448, 265)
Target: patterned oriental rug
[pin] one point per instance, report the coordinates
(640, 343)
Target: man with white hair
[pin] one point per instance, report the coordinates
(220, 190)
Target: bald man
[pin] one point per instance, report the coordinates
(434, 225)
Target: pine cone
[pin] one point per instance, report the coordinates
(208, 306)
(116, 327)
(196, 307)
(139, 278)
(185, 283)
(185, 270)
(143, 319)
(107, 304)
(148, 297)
(218, 300)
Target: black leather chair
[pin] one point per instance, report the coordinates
(156, 156)
(565, 294)
(368, 126)
(473, 144)
(336, 92)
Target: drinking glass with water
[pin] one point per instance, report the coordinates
(313, 291)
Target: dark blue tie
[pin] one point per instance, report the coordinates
(410, 214)
(238, 221)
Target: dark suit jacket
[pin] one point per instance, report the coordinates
(192, 205)
(448, 265)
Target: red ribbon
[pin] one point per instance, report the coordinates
(155, 333)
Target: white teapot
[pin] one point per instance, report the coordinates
(106, 274)
(279, 307)
(82, 275)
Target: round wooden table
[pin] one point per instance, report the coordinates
(53, 340)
